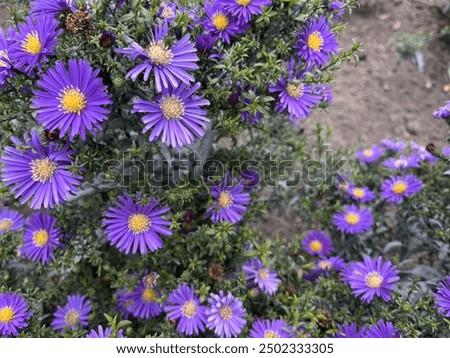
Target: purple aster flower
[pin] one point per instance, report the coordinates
(338, 7)
(317, 243)
(74, 314)
(334, 263)
(350, 330)
(51, 7)
(221, 23)
(392, 145)
(10, 221)
(168, 11)
(325, 93)
(41, 237)
(184, 305)
(361, 194)
(124, 299)
(134, 226)
(143, 304)
(294, 95)
(276, 328)
(442, 297)
(100, 333)
(251, 178)
(33, 42)
(316, 42)
(104, 333)
(5, 64)
(40, 173)
(348, 270)
(443, 112)
(353, 220)
(446, 151)
(244, 9)
(14, 312)
(370, 155)
(226, 316)
(230, 201)
(260, 276)
(402, 163)
(72, 100)
(373, 277)
(205, 42)
(175, 117)
(396, 189)
(424, 154)
(382, 330)
(169, 64)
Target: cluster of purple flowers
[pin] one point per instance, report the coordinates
(382, 329)
(315, 47)
(355, 219)
(40, 235)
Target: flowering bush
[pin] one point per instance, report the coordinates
(141, 140)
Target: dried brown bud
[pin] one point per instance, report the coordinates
(291, 290)
(78, 22)
(327, 320)
(215, 272)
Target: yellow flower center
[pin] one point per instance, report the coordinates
(352, 218)
(72, 317)
(6, 224)
(6, 314)
(225, 200)
(167, 12)
(189, 309)
(139, 223)
(373, 280)
(295, 91)
(359, 193)
(40, 238)
(159, 53)
(315, 246)
(172, 107)
(243, 2)
(148, 295)
(271, 334)
(220, 21)
(72, 100)
(368, 153)
(226, 313)
(325, 265)
(42, 170)
(32, 44)
(263, 274)
(4, 56)
(399, 187)
(315, 41)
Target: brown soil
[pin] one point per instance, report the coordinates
(383, 96)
